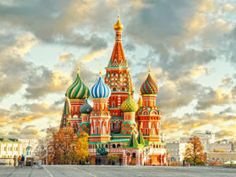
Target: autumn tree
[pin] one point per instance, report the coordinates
(62, 148)
(82, 147)
(194, 152)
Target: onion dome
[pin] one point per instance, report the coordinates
(129, 105)
(118, 26)
(149, 86)
(100, 89)
(86, 108)
(78, 90)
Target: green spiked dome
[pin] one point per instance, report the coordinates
(129, 105)
(149, 86)
(78, 90)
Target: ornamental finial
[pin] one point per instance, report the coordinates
(100, 73)
(78, 69)
(118, 25)
(149, 67)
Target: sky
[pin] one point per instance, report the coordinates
(191, 45)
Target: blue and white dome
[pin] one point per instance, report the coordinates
(100, 89)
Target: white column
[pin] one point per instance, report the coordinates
(137, 157)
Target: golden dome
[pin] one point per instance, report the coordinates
(118, 25)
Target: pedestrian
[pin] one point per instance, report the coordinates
(14, 159)
(19, 160)
(22, 160)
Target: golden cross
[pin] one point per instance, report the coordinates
(149, 67)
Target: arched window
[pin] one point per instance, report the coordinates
(113, 145)
(112, 104)
(134, 155)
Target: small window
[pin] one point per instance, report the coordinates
(134, 155)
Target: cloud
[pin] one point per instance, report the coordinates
(13, 68)
(185, 125)
(65, 57)
(229, 7)
(55, 24)
(233, 91)
(210, 97)
(45, 81)
(20, 120)
(88, 76)
(27, 132)
(93, 55)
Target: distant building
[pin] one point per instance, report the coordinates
(8, 149)
(176, 151)
(221, 156)
(217, 151)
(234, 146)
(206, 138)
(220, 146)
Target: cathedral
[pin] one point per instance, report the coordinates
(116, 124)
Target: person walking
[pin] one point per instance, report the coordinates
(14, 159)
(22, 160)
(19, 160)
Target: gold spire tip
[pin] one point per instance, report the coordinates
(118, 25)
(100, 73)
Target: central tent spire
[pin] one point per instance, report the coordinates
(118, 56)
(118, 79)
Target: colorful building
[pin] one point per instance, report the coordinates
(116, 124)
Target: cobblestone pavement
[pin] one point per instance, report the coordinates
(116, 171)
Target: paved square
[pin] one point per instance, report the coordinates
(116, 171)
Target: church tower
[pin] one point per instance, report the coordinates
(118, 79)
(100, 115)
(76, 95)
(148, 116)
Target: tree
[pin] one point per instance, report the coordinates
(82, 147)
(42, 147)
(62, 148)
(194, 152)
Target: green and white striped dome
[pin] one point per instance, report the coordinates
(78, 90)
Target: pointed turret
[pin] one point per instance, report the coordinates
(140, 138)
(66, 113)
(133, 142)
